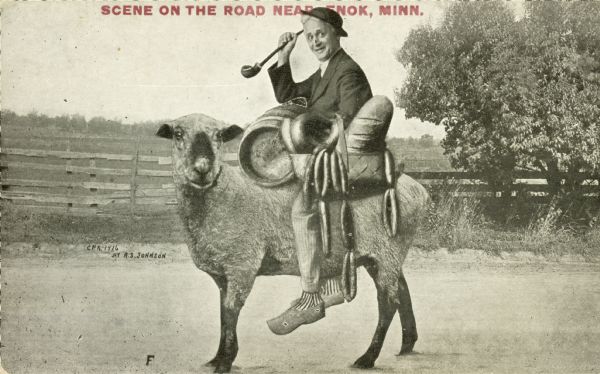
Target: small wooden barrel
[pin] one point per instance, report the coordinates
(262, 152)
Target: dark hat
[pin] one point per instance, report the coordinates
(330, 16)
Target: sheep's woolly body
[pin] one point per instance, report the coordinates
(237, 230)
(238, 223)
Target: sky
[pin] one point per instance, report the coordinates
(68, 58)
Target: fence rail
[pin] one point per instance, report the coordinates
(126, 183)
(90, 180)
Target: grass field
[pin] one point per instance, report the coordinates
(450, 223)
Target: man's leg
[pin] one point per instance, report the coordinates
(310, 307)
(368, 129)
(307, 232)
(331, 292)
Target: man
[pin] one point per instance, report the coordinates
(339, 86)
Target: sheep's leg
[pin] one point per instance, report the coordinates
(387, 309)
(222, 284)
(237, 290)
(407, 317)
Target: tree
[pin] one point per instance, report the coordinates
(426, 141)
(511, 94)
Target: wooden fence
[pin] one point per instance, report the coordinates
(89, 175)
(95, 175)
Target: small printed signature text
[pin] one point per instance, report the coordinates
(136, 255)
(115, 252)
(106, 248)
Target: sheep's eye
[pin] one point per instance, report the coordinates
(178, 134)
(216, 137)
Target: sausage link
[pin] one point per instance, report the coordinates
(335, 171)
(343, 175)
(345, 280)
(318, 171)
(347, 225)
(326, 174)
(352, 275)
(390, 168)
(385, 212)
(393, 212)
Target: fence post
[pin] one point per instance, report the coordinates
(68, 164)
(93, 191)
(133, 182)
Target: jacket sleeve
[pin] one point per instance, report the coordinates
(284, 86)
(355, 91)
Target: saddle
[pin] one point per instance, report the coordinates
(289, 142)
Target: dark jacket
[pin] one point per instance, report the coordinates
(343, 89)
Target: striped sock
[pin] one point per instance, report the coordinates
(308, 300)
(331, 287)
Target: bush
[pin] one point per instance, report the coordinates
(457, 220)
(454, 218)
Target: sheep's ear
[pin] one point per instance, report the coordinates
(165, 131)
(229, 133)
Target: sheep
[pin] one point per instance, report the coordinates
(237, 230)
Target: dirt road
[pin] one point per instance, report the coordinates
(108, 316)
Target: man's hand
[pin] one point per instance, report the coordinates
(289, 39)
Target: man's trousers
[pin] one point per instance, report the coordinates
(307, 232)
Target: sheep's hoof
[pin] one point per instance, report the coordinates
(364, 362)
(406, 348)
(408, 343)
(214, 362)
(223, 367)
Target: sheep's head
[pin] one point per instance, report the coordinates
(196, 145)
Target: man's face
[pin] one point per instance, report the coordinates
(321, 38)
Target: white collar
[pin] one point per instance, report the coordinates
(323, 65)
